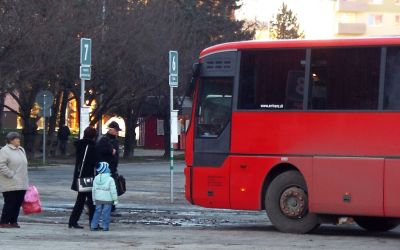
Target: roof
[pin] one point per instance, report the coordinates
(300, 43)
(156, 105)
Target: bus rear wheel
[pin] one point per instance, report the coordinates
(286, 202)
(376, 224)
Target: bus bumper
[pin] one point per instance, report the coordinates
(188, 183)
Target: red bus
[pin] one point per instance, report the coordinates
(308, 130)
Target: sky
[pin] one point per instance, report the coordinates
(308, 12)
(263, 10)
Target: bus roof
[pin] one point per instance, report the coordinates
(300, 43)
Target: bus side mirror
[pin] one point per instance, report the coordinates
(196, 70)
(195, 73)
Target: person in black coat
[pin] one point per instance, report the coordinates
(88, 170)
(107, 148)
(63, 134)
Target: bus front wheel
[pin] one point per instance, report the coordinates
(286, 202)
(376, 224)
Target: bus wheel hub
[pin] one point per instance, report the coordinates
(293, 202)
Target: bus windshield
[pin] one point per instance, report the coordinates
(214, 106)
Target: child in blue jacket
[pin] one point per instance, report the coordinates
(104, 196)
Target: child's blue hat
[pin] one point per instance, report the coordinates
(103, 167)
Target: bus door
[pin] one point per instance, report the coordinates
(213, 130)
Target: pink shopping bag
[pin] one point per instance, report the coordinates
(32, 204)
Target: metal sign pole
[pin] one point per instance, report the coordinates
(171, 144)
(44, 130)
(173, 82)
(82, 105)
(84, 74)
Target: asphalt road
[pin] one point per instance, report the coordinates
(147, 220)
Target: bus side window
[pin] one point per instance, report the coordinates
(294, 89)
(344, 78)
(318, 87)
(272, 79)
(392, 79)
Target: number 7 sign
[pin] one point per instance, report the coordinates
(86, 51)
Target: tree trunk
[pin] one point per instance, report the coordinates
(130, 135)
(165, 111)
(167, 135)
(29, 130)
(78, 107)
(2, 100)
(63, 109)
(98, 113)
(52, 138)
(29, 134)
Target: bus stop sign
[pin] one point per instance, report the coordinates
(173, 68)
(86, 51)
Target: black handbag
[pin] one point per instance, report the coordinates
(84, 184)
(120, 183)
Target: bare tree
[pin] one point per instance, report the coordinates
(44, 45)
(39, 49)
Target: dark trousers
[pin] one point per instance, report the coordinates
(114, 175)
(79, 205)
(12, 204)
(63, 146)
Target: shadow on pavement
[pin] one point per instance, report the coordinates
(325, 230)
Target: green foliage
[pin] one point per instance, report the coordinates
(285, 25)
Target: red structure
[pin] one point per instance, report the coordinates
(306, 130)
(154, 134)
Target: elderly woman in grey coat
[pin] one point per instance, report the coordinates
(13, 179)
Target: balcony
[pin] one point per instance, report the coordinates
(352, 28)
(351, 5)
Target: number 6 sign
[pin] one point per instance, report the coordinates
(86, 51)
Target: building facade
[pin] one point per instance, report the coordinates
(367, 17)
(324, 19)
(9, 118)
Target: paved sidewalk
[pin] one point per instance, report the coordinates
(140, 155)
(154, 152)
(35, 236)
(148, 220)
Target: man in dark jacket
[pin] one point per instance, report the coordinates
(63, 134)
(107, 147)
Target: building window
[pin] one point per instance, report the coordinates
(375, 20)
(375, 1)
(160, 127)
(397, 19)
